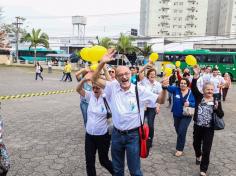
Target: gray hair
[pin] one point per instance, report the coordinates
(207, 84)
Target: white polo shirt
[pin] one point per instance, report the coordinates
(123, 104)
(96, 115)
(155, 88)
(216, 81)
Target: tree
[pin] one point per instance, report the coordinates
(3, 42)
(146, 50)
(106, 42)
(36, 38)
(125, 46)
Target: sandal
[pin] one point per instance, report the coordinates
(178, 153)
(203, 174)
(198, 160)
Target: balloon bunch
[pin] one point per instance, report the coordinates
(93, 54)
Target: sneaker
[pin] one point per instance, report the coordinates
(203, 174)
(198, 161)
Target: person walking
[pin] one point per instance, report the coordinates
(203, 131)
(68, 69)
(182, 97)
(49, 66)
(97, 137)
(226, 86)
(151, 109)
(38, 71)
(125, 115)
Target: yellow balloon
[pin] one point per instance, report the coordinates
(191, 60)
(153, 57)
(94, 66)
(85, 54)
(177, 63)
(168, 71)
(97, 52)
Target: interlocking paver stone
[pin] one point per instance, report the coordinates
(45, 134)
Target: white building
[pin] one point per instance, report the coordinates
(173, 18)
(227, 19)
(213, 16)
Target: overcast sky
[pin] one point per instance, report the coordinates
(104, 17)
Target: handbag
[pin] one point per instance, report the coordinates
(109, 116)
(4, 159)
(188, 111)
(217, 118)
(144, 141)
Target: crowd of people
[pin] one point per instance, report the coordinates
(113, 90)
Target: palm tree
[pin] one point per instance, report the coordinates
(36, 39)
(146, 50)
(125, 46)
(106, 42)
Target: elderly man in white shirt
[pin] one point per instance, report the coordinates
(97, 137)
(125, 115)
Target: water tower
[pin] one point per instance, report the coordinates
(79, 23)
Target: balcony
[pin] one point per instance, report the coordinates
(192, 9)
(191, 16)
(165, 8)
(164, 16)
(192, 1)
(164, 23)
(164, 1)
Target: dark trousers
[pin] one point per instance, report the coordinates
(150, 114)
(225, 91)
(3, 173)
(202, 142)
(68, 76)
(38, 74)
(181, 126)
(102, 144)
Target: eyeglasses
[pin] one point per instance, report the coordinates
(111, 71)
(183, 83)
(124, 74)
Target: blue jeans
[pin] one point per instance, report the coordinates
(84, 107)
(181, 126)
(129, 144)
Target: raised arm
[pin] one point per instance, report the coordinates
(162, 96)
(108, 77)
(194, 87)
(82, 72)
(79, 88)
(106, 58)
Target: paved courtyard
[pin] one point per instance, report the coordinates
(45, 134)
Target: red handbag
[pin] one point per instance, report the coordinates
(144, 141)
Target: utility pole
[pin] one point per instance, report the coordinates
(17, 23)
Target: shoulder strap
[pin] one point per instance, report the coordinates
(106, 105)
(137, 99)
(188, 94)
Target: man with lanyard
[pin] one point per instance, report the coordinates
(125, 115)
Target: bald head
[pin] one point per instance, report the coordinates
(121, 69)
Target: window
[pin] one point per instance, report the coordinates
(227, 59)
(212, 58)
(200, 58)
(168, 58)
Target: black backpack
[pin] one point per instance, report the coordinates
(41, 68)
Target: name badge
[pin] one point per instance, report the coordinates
(177, 96)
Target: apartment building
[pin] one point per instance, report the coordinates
(165, 18)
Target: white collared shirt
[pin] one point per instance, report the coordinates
(123, 104)
(96, 114)
(153, 87)
(217, 80)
